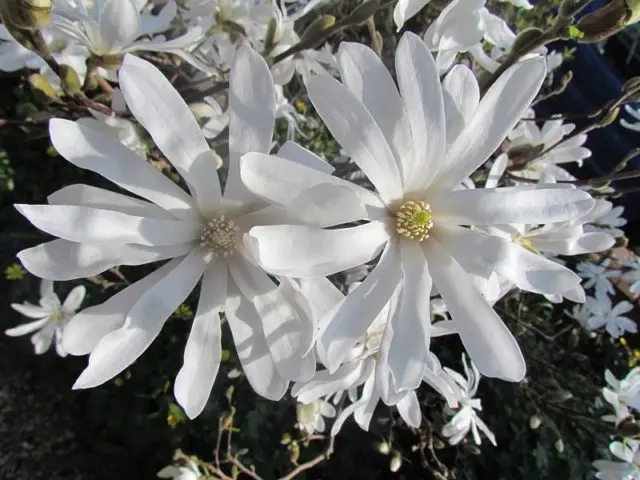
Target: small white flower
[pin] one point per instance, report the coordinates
(604, 314)
(606, 218)
(52, 317)
(466, 419)
(311, 415)
(179, 472)
(622, 394)
(632, 276)
(598, 276)
(629, 469)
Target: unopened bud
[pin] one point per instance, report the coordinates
(363, 11)
(42, 89)
(534, 422)
(317, 32)
(608, 20)
(384, 448)
(25, 14)
(560, 396)
(271, 37)
(559, 445)
(610, 117)
(70, 80)
(526, 38)
(395, 463)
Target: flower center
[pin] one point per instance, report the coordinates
(414, 220)
(58, 317)
(219, 236)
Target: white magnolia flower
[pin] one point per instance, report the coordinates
(466, 419)
(622, 394)
(51, 317)
(416, 147)
(604, 314)
(405, 9)
(528, 134)
(111, 28)
(607, 218)
(119, 128)
(461, 27)
(201, 233)
(14, 57)
(311, 415)
(629, 469)
(635, 115)
(179, 472)
(632, 276)
(581, 314)
(598, 276)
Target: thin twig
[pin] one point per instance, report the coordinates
(312, 463)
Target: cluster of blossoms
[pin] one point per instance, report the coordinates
(435, 245)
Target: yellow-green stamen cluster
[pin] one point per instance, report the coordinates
(414, 220)
(219, 236)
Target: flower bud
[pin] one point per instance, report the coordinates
(42, 89)
(317, 32)
(363, 11)
(534, 422)
(25, 14)
(559, 445)
(272, 35)
(395, 463)
(384, 448)
(608, 20)
(70, 80)
(526, 38)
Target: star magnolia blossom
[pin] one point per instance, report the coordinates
(604, 314)
(405, 9)
(466, 419)
(51, 317)
(188, 472)
(201, 233)
(461, 27)
(629, 469)
(598, 276)
(311, 416)
(608, 220)
(110, 28)
(415, 147)
(622, 394)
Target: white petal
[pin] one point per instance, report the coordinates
(410, 320)
(405, 9)
(92, 225)
(362, 71)
(461, 98)
(27, 328)
(164, 114)
(497, 171)
(64, 260)
(301, 251)
(586, 243)
(282, 325)
(30, 311)
(327, 205)
(499, 110)
(356, 130)
(485, 337)
(346, 323)
(252, 114)
(325, 383)
(300, 155)
(88, 327)
(251, 346)
(119, 24)
(119, 349)
(485, 206)
(409, 410)
(74, 299)
(202, 353)
(88, 196)
(419, 84)
(91, 150)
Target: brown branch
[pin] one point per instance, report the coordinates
(312, 463)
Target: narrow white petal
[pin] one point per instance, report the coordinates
(300, 155)
(251, 346)
(499, 110)
(88, 327)
(356, 130)
(120, 348)
(461, 98)
(30, 311)
(164, 114)
(94, 151)
(409, 410)
(119, 24)
(92, 225)
(64, 260)
(27, 328)
(202, 353)
(485, 337)
(301, 251)
(405, 9)
(324, 383)
(421, 91)
(74, 299)
(252, 115)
